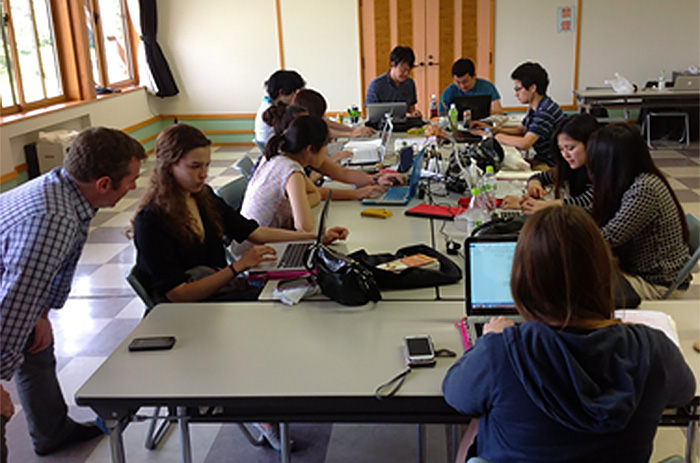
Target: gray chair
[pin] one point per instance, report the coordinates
(232, 193)
(694, 244)
(244, 166)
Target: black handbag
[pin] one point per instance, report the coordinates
(341, 278)
(416, 277)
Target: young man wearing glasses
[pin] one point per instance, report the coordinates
(395, 85)
(533, 136)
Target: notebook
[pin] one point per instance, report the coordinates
(480, 106)
(370, 151)
(687, 83)
(487, 267)
(290, 254)
(401, 195)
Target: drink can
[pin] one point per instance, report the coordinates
(467, 117)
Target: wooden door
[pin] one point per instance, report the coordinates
(439, 31)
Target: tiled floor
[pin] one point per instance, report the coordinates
(102, 311)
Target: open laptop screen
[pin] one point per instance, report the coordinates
(480, 105)
(489, 263)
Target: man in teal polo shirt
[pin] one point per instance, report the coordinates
(465, 84)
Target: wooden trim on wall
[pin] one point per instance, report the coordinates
(228, 132)
(208, 116)
(577, 50)
(140, 125)
(280, 39)
(361, 36)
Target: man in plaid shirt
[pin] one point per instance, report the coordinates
(43, 228)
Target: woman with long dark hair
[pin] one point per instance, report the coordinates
(181, 227)
(571, 383)
(569, 178)
(637, 210)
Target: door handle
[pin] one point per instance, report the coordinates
(421, 63)
(430, 63)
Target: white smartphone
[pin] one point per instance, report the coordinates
(419, 350)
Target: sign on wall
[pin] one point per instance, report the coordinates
(566, 19)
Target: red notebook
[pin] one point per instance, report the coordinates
(435, 211)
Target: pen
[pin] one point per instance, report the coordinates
(462, 326)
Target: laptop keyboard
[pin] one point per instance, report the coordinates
(397, 193)
(293, 255)
(479, 328)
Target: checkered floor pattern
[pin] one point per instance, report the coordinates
(102, 310)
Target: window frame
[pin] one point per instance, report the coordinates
(72, 52)
(129, 33)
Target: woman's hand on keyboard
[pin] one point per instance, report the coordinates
(511, 202)
(530, 206)
(369, 191)
(254, 256)
(335, 233)
(497, 325)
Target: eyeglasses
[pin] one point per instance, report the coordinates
(517, 89)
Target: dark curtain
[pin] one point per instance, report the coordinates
(160, 70)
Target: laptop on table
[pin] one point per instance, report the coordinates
(370, 151)
(686, 83)
(290, 254)
(487, 267)
(401, 195)
(480, 105)
(396, 111)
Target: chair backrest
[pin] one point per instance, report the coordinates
(133, 279)
(694, 228)
(694, 245)
(232, 193)
(244, 166)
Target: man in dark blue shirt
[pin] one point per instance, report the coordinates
(395, 85)
(533, 135)
(467, 84)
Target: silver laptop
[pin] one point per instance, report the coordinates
(370, 151)
(487, 267)
(401, 195)
(290, 254)
(377, 111)
(687, 83)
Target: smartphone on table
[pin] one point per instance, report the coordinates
(419, 350)
(152, 343)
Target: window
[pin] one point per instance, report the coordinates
(44, 61)
(109, 42)
(29, 71)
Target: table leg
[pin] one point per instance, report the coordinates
(284, 437)
(420, 443)
(116, 441)
(692, 432)
(183, 422)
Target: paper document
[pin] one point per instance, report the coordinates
(659, 320)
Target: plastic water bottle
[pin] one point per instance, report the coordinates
(662, 81)
(489, 188)
(476, 212)
(452, 116)
(433, 106)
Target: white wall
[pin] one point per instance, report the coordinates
(324, 50)
(118, 111)
(636, 38)
(221, 52)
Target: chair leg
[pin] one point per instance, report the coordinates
(257, 442)
(157, 429)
